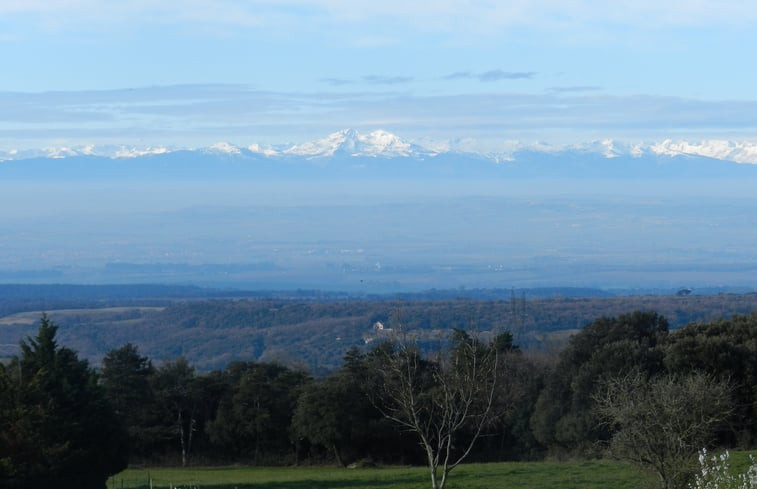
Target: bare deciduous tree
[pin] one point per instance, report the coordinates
(446, 401)
(661, 423)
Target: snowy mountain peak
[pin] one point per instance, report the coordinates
(637, 151)
(352, 143)
(347, 134)
(224, 148)
(739, 152)
(607, 148)
(61, 152)
(131, 152)
(262, 150)
(379, 143)
(610, 149)
(382, 142)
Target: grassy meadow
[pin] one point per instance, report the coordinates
(599, 474)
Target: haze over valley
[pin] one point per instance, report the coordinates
(385, 147)
(352, 213)
(320, 234)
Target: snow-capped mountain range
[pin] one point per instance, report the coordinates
(350, 142)
(382, 144)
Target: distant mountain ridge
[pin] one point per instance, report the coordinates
(349, 142)
(380, 143)
(380, 154)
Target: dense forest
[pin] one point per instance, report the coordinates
(311, 329)
(58, 409)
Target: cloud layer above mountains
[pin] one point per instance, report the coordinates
(200, 115)
(195, 72)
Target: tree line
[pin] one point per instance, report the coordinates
(475, 396)
(317, 332)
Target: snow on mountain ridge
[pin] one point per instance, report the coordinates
(609, 148)
(352, 143)
(224, 148)
(125, 152)
(265, 151)
(61, 152)
(739, 152)
(380, 143)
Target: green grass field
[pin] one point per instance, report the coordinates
(591, 474)
(599, 474)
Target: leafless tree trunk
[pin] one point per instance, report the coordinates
(440, 400)
(185, 435)
(180, 424)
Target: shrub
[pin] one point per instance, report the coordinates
(715, 473)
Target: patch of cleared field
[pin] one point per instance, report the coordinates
(32, 317)
(595, 474)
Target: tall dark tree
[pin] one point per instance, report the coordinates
(336, 414)
(322, 417)
(727, 350)
(176, 393)
(9, 445)
(58, 429)
(563, 419)
(519, 383)
(125, 376)
(254, 419)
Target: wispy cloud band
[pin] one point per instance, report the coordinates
(491, 75)
(442, 15)
(200, 114)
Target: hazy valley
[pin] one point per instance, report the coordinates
(361, 219)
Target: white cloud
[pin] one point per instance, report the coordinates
(105, 15)
(451, 14)
(439, 15)
(204, 114)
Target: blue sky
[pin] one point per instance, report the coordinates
(193, 72)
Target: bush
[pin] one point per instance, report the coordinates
(715, 473)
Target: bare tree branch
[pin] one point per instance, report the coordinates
(442, 401)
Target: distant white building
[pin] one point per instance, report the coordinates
(379, 330)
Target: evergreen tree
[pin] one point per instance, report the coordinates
(254, 418)
(564, 417)
(177, 396)
(58, 428)
(125, 376)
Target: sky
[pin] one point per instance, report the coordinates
(191, 73)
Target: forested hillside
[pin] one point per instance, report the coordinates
(316, 333)
(625, 386)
